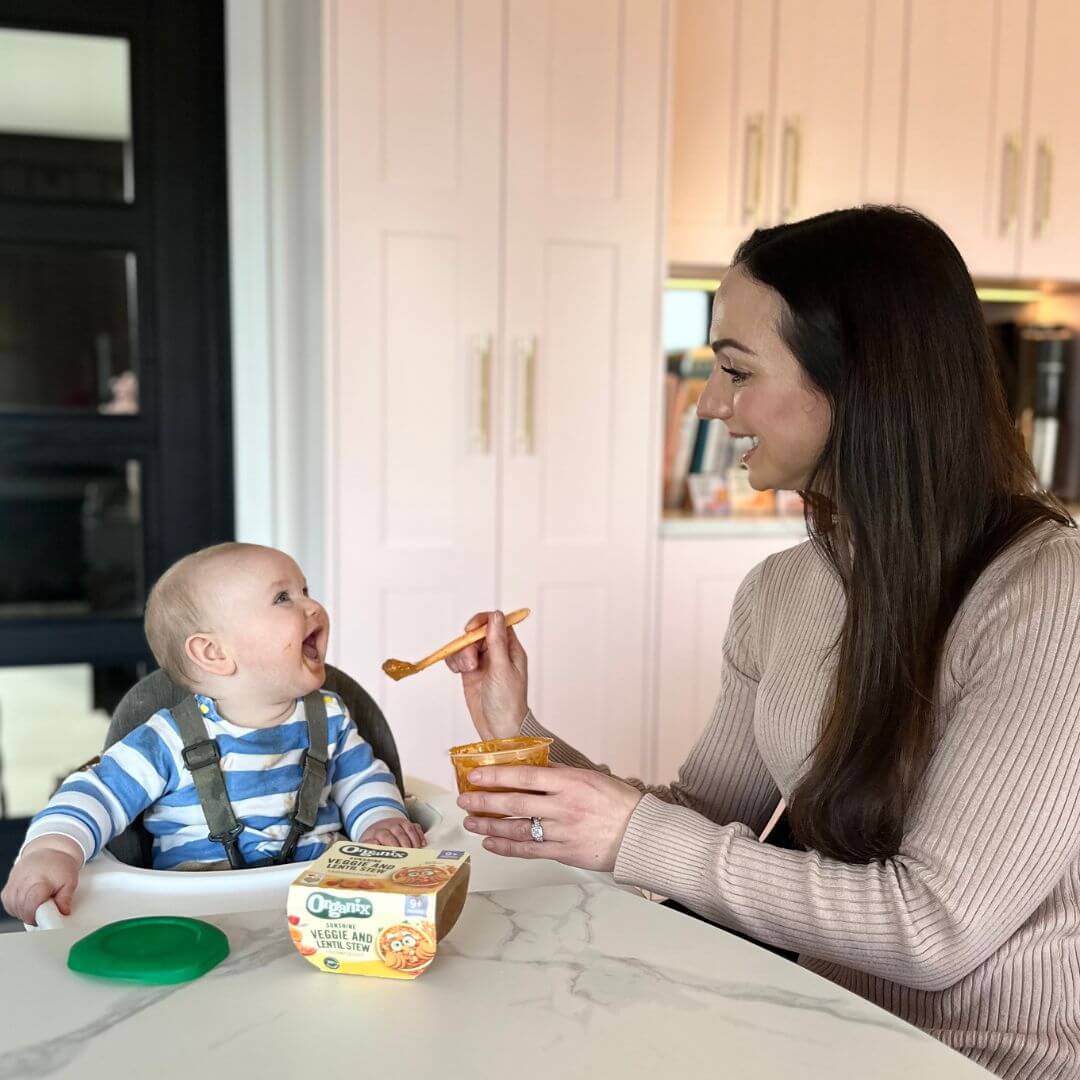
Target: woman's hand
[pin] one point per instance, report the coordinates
(495, 677)
(584, 813)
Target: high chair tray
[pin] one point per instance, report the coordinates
(109, 890)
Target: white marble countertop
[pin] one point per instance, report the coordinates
(564, 980)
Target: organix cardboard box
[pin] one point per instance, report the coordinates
(361, 909)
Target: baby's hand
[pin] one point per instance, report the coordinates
(394, 832)
(48, 868)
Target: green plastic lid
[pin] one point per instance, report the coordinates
(157, 949)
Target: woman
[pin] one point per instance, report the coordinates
(908, 682)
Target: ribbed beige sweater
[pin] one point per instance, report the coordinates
(972, 932)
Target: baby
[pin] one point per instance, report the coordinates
(235, 625)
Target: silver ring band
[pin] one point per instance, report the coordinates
(536, 830)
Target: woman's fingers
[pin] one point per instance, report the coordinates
(496, 638)
(516, 650)
(524, 777)
(468, 659)
(522, 849)
(509, 803)
(478, 620)
(514, 829)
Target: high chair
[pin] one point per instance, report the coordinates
(119, 882)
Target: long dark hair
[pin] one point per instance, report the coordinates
(922, 481)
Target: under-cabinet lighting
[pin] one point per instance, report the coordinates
(1008, 296)
(693, 284)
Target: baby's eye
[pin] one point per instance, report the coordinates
(306, 593)
(281, 598)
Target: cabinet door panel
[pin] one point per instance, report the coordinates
(413, 98)
(885, 87)
(576, 375)
(964, 118)
(822, 106)
(699, 582)
(1051, 235)
(721, 113)
(583, 274)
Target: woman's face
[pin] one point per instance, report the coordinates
(759, 389)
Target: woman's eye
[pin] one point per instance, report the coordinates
(735, 376)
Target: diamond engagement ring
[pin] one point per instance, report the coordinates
(536, 830)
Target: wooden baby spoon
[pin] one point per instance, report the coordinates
(401, 669)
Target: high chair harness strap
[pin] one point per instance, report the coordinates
(203, 759)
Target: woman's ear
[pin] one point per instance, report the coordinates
(208, 656)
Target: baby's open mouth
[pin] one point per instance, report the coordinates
(311, 646)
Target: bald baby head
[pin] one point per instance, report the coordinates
(183, 602)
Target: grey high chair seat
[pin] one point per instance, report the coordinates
(157, 691)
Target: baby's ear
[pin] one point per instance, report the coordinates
(208, 656)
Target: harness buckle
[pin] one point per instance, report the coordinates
(229, 837)
(201, 754)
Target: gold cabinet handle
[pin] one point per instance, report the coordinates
(525, 350)
(791, 155)
(753, 136)
(1044, 179)
(482, 350)
(485, 394)
(1009, 206)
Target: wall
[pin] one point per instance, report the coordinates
(275, 232)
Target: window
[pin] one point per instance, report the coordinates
(115, 406)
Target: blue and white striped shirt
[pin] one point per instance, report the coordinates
(145, 771)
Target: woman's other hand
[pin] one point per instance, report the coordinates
(584, 814)
(495, 677)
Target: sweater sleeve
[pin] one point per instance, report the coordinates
(994, 829)
(724, 778)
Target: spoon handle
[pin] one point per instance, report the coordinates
(460, 643)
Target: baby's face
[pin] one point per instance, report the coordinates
(275, 632)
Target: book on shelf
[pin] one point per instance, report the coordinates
(680, 438)
(701, 437)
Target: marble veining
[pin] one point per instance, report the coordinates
(596, 979)
(599, 982)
